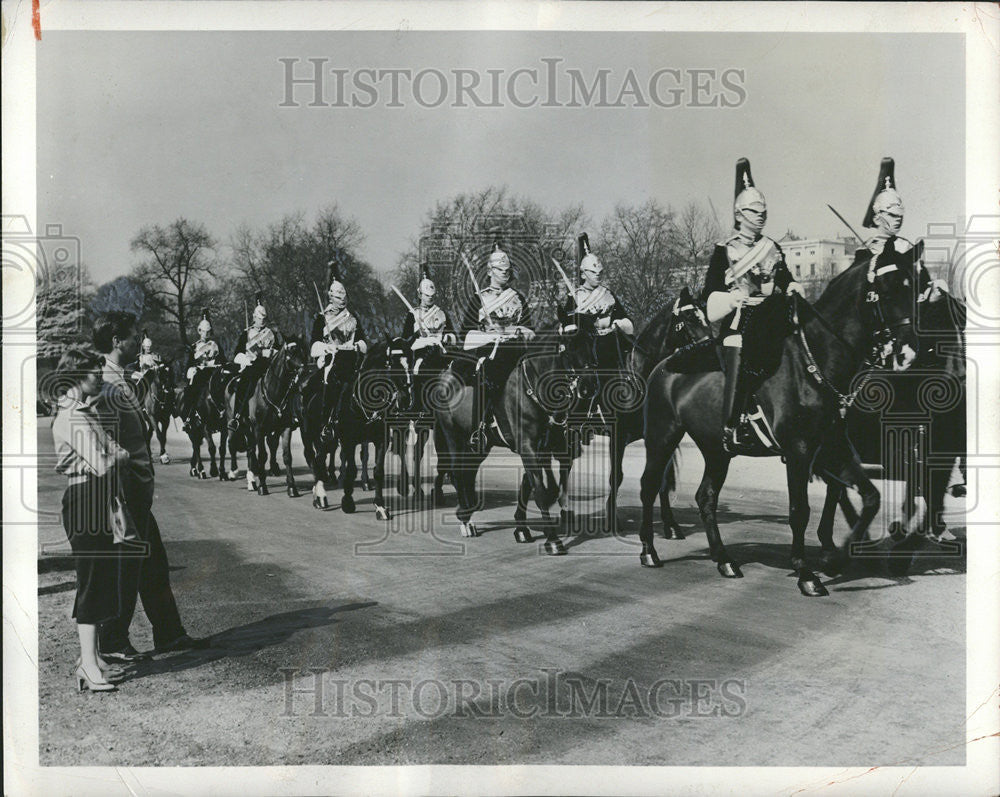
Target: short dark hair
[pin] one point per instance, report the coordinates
(109, 326)
(74, 366)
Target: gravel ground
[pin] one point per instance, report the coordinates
(342, 640)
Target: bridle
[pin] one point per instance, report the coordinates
(573, 386)
(884, 339)
(375, 415)
(279, 407)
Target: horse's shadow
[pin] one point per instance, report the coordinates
(248, 639)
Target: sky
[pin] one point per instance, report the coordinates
(140, 128)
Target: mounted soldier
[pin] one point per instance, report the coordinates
(427, 327)
(497, 332)
(254, 349)
(744, 270)
(337, 344)
(883, 220)
(148, 359)
(204, 355)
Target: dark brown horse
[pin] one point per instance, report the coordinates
(869, 305)
(680, 324)
(914, 427)
(156, 393)
(270, 413)
(536, 397)
(208, 418)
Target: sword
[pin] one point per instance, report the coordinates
(318, 298)
(479, 293)
(409, 307)
(246, 315)
(849, 227)
(569, 285)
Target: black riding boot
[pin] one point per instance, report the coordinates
(184, 408)
(326, 433)
(732, 400)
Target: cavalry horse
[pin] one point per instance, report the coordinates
(208, 418)
(270, 413)
(820, 361)
(541, 388)
(434, 362)
(929, 400)
(360, 414)
(680, 324)
(156, 393)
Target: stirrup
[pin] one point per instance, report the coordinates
(479, 436)
(731, 442)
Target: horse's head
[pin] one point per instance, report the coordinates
(384, 378)
(578, 351)
(292, 357)
(688, 323)
(889, 301)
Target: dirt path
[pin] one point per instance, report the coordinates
(432, 649)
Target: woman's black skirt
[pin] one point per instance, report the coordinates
(86, 518)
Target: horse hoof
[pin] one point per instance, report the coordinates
(165, 459)
(347, 505)
(232, 475)
(555, 548)
(382, 513)
(650, 559)
(469, 530)
(522, 534)
(262, 490)
(202, 475)
(813, 588)
(831, 564)
(213, 471)
(193, 472)
(673, 532)
(293, 492)
(366, 486)
(320, 503)
(729, 569)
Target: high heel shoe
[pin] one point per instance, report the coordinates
(111, 672)
(83, 681)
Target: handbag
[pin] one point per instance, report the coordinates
(122, 526)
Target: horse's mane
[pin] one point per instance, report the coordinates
(659, 317)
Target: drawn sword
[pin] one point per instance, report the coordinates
(409, 307)
(479, 293)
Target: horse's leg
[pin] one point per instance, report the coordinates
(398, 441)
(617, 455)
(567, 516)
(849, 472)
(834, 493)
(261, 446)
(194, 435)
(671, 531)
(286, 457)
(213, 469)
(545, 492)
(348, 469)
(659, 449)
(707, 496)
(161, 436)
(441, 470)
(521, 531)
(797, 475)
(272, 443)
(366, 482)
(381, 444)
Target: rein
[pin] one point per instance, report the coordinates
(845, 400)
(278, 408)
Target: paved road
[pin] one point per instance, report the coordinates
(432, 649)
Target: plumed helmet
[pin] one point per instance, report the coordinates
(746, 193)
(885, 197)
(147, 342)
(499, 262)
(337, 292)
(426, 286)
(589, 262)
(205, 325)
(259, 312)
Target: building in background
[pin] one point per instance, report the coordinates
(814, 261)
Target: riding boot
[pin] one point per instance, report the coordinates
(733, 399)
(326, 433)
(480, 435)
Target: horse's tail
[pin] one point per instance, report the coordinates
(670, 475)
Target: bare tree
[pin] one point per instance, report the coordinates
(176, 260)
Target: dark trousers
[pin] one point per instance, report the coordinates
(146, 577)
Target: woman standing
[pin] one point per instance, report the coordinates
(89, 457)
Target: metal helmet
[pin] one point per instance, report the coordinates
(337, 293)
(259, 312)
(147, 342)
(499, 264)
(589, 262)
(205, 325)
(886, 198)
(747, 196)
(426, 289)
